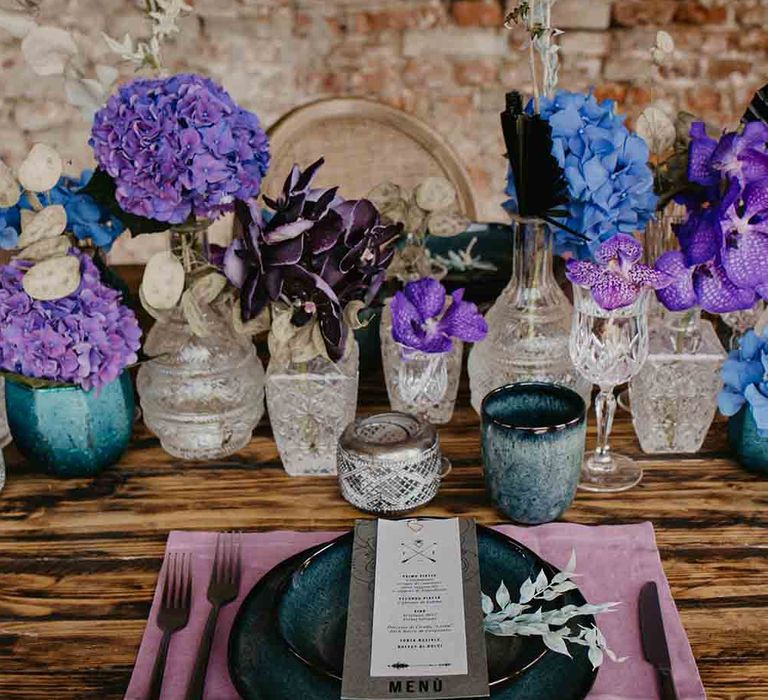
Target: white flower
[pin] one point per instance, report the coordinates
(656, 129)
(665, 42)
(47, 50)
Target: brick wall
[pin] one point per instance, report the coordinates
(447, 61)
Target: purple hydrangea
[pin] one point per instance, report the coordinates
(86, 338)
(421, 321)
(179, 147)
(722, 265)
(616, 278)
(610, 184)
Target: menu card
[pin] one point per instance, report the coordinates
(414, 626)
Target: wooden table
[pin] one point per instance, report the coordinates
(79, 558)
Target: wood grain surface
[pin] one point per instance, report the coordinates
(79, 557)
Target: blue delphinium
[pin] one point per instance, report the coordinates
(86, 220)
(745, 379)
(605, 165)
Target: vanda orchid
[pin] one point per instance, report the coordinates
(617, 278)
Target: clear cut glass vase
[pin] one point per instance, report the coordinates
(420, 383)
(202, 396)
(674, 396)
(529, 324)
(310, 404)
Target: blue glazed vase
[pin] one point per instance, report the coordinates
(68, 431)
(751, 449)
(533, 437)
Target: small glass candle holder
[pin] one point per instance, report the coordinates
(390, 463)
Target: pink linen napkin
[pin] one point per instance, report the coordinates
(614, 560)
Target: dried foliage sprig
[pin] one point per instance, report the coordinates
(524, 618)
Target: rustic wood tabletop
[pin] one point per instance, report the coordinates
(79, 558)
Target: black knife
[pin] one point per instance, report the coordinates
(654, 639)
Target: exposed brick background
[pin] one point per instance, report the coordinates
(446, 61)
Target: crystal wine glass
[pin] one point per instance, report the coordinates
(608, 348)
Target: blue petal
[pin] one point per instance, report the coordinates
(759, 405)
(729, 402)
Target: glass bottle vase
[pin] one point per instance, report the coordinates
(202, 396)
(674, 396)
(529, 324)
(310, 404)
(422, 384)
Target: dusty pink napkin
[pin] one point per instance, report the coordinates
(615, 560)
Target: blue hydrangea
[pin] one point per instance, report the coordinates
(86, 219)
(606, 168)
(745, 379)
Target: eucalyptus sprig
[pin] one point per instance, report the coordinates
(523, 618)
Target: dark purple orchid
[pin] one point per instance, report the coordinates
(421, 321)
(316, 253)
(616, 278)
(723, 262)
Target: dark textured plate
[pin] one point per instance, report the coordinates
(287, 640)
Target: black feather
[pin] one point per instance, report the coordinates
(757, 111)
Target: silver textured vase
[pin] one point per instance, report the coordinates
(674, 396)
(201, 396)
(529, 325)
(310, 404)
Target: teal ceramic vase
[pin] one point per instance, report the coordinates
(532, 442)
(751, 449)
(68, 431)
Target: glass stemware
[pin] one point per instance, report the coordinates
(422, 379)
(608, 348)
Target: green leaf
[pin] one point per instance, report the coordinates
(101, 188)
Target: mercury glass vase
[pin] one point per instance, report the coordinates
(528, 325)
(674, 396)
(201, 395)
(609, 348)
(419, 383)
(310, 404)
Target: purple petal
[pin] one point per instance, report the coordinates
(287, 232)
(744, 257)
(700, 237)
(462, 320)
(699, 156)
(756, 198)
(325, 233)
(427, 295)
(233, 264)
(717, 294)
(622, 247)
(644, 276)
(679, 295)
(612, 291)
(287, 253)
(406, 322)
(583, 273)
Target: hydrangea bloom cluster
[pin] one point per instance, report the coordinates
(723, 262)
(179, 147)
(616, 278)
(745, 379)
(316, 252)
(421, 321)
(86, 219)
(610, 184)
(86, 338)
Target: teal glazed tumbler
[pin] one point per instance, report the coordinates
(533, 437)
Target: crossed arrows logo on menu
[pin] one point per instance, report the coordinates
(419, 550)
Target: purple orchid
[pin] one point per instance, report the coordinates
(616, 278)
(421, 321)
(317, 252)
(723, 262)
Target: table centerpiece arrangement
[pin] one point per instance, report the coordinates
(577, 176)
(307, 269)
(66, 338)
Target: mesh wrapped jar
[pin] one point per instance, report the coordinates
(390, 463)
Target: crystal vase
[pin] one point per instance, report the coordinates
(420, 383)
(310, 404)
(608, 347)
(674, 396)
(528, 325)
(202, 396)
